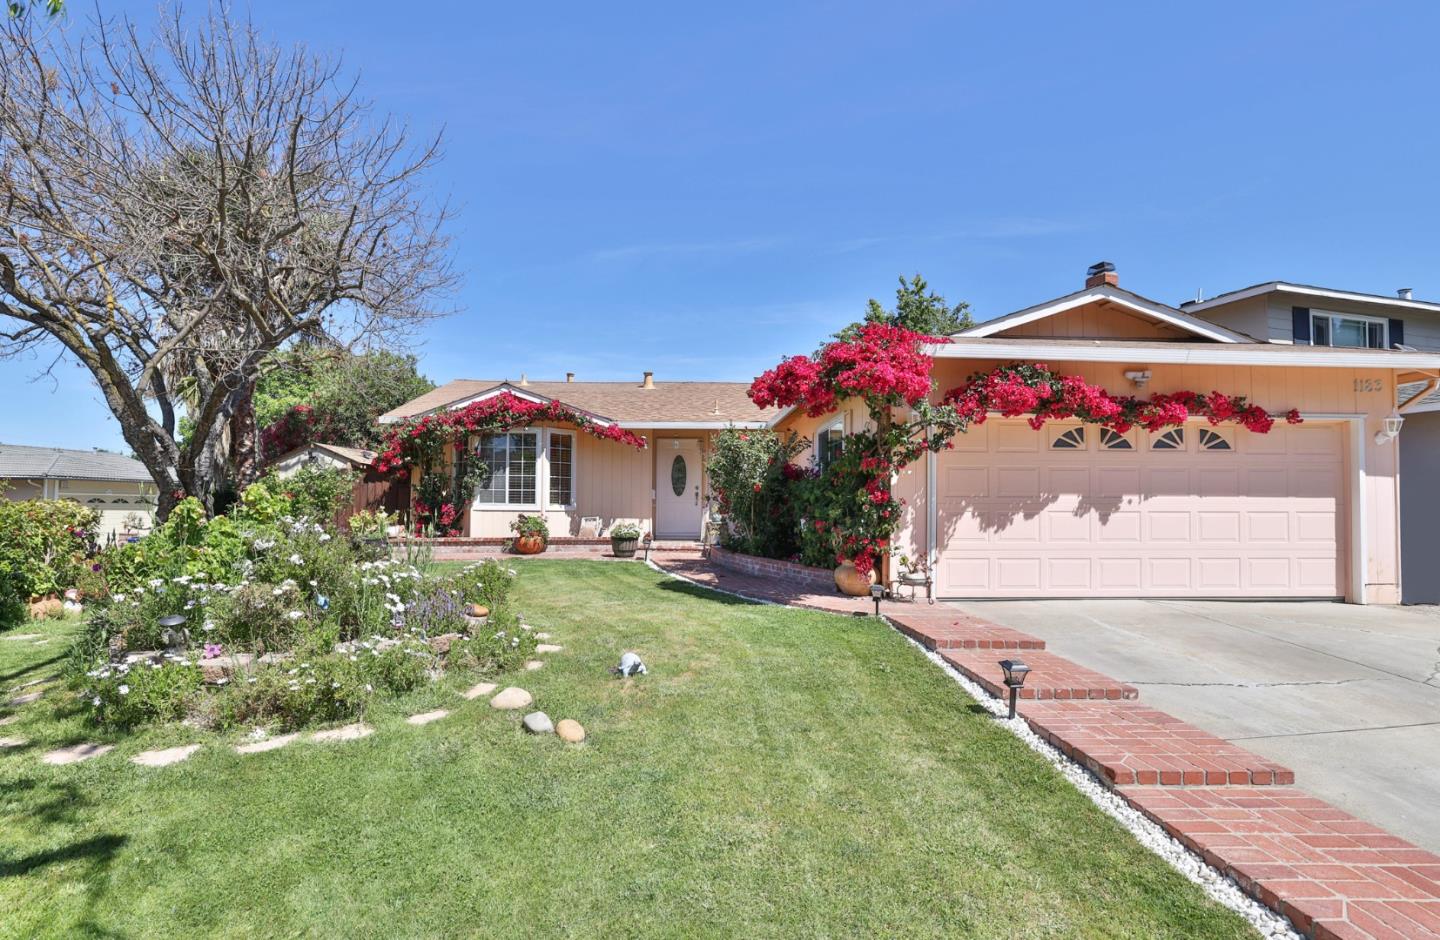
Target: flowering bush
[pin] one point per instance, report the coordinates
(753, 483)
(487, 582)
(852, 512)
(503, 644)
(124, 695)
(43, 547)
(524, 524)
(437, 444)
(1043, 394)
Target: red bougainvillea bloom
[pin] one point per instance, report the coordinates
(883, 364)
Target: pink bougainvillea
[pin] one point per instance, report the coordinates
(885, 365)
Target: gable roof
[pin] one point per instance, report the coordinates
(1133, 351)
(667, 404)
(22, 462)
(355, 456)
(1119, 297)
(1307, 290)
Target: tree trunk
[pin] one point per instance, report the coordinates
(245, 441)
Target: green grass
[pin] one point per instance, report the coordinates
(779, 773)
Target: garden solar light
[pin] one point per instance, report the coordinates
(1015, 673)
(172, 633)
(877, 591)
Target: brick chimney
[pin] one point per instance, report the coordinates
(1100, 274)
(649, 380)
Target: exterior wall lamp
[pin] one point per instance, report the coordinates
(1393, 424)
(1015, 673)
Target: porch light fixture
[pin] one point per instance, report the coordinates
(1141, 377)
(1015, 673)
(877, 591)
(1393, 424)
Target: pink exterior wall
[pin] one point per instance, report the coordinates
(1313, 391)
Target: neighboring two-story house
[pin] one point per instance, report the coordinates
(1280, 312)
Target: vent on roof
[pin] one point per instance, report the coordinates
(1404, 293)
(569, 376)
(1101, 273)
(649, 380)
(524, 382)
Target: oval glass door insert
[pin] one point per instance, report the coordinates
(677, 475)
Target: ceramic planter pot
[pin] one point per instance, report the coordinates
(624, 548)
(529, 544)
(852, 582)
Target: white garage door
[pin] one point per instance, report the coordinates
(1077, 511)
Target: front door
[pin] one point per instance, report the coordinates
(677, 488)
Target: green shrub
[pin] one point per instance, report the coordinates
(124, 696)
(43, 546)
(487, 582)
(314, 493)
(755, 485)
(525, 524)
(500, 645)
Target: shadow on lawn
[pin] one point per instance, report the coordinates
(6, 677)
(705, 593)
(98, 849)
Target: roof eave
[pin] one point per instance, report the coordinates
(1201, 354)
(1306, 290)
(1115, 295)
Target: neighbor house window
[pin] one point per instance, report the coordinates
(828, 443)
(511, 459)
(562, 468)
(1331, 329)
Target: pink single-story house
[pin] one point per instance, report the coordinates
(1306, 511)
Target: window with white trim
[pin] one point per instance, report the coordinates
(1333, 329)
(1070, 439)
(1173, 439)
(1215, 439)
(828, 443)
(511, 458)
(561, 454)
(1111, 439)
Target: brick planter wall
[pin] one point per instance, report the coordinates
(817, 579)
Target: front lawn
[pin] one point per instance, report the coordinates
(778, 773)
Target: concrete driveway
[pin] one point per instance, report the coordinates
(1347, 696)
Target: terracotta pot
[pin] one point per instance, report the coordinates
(529, 544)
(852, 582)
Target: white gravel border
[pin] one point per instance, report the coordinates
(1218, 886)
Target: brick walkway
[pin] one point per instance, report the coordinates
(1334, 876)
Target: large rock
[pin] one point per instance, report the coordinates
(511, 699)
(441, 644)
(538, 723)
(219, 668)
(570, 731)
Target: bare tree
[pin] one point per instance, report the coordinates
(174, 209)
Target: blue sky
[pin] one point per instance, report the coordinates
(701, 189)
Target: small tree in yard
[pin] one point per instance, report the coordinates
(173, 212)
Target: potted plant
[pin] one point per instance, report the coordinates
(624, 539)
(851, 582)
(531, 534)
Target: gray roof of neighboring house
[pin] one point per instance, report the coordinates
(20, 462)
(1404, 392)
(357, 456)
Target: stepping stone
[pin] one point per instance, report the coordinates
(533, 664)
(269, 744)
(538, 723)
(23, 636)
(24, 699)
(542, 636)
(424, 718)
(75, 753)
(165, 757)
(570, 731)
(548, 648)
(483, 688)
(13, 742)
(9, 720)
(348, 732)
(511, 699)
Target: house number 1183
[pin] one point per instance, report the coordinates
(1368, 385)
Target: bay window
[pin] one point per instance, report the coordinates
(523, 464)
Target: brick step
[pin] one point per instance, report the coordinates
(1051, 676)
(1333, 875)
(951, 631)
(1125, 743)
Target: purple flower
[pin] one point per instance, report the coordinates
(212, 650)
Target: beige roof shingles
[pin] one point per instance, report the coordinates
(628, 403)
